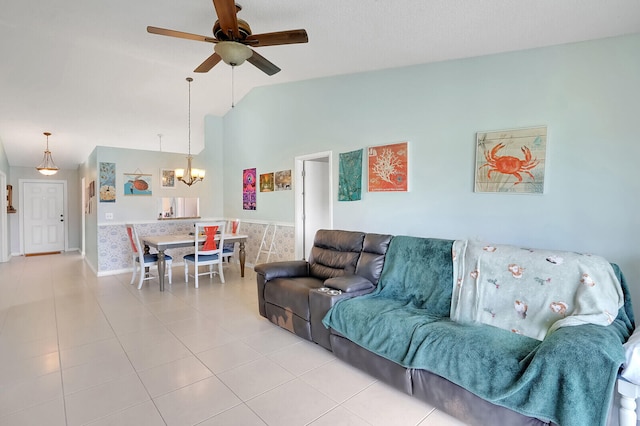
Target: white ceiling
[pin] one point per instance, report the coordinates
(89, 73)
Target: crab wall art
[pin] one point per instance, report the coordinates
(511, 160)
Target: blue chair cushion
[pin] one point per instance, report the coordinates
(228, 247)
(202, 258)
(149, 258)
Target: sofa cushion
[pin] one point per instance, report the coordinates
(418, 271)
(382, 325)
(292, 294)
(374, 249)
(335, 253)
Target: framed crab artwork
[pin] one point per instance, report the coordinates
(511, 161)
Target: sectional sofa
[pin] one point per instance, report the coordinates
(490, 334)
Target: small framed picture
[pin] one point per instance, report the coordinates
(137, 184)
(389, 168)
(167, 179)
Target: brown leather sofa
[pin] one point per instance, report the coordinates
(294, 296)
(297, 294)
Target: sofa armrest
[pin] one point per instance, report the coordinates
(287, 269)
(349, 283)
(266, 272)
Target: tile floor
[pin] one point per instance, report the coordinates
(80, 350)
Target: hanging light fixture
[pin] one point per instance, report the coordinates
(189, 176)
(47, 167)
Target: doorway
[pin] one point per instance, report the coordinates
(43, 209)
(313, 199)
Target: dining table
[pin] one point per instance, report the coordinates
(171, 241)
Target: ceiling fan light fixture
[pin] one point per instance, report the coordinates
(232, 52)
(47, 167)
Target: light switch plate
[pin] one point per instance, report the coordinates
(108, 216)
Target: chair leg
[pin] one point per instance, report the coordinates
(169, 271)
(210, 271)
(141, 276)
(195, 274)
(220, 272)
(186, 271)
(133, 274)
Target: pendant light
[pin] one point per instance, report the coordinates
(47, 167)
(189, 176)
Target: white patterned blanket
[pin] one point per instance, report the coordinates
(531, 291)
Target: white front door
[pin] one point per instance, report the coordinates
(43, 216)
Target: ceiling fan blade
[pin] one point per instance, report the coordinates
(226, 11)
(208, 63)
(180, 34)
(263, 64)
(276, 38)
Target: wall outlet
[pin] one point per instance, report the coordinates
(108, 216)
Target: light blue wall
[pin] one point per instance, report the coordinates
(143, 209)
(211, 156)
(588, 94)
(89, 171)
(129, 208)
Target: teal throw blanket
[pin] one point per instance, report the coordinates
(567, 378)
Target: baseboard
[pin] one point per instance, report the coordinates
(124, 271)
(113, 272)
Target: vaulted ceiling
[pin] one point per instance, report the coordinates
(89, 73)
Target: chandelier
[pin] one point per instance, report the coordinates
(47, 167)
(189, 176)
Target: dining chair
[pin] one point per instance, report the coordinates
(229, 249)
(208, 253)
(142, 261)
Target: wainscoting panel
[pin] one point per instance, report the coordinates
(114, 249)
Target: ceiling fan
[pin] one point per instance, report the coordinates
(232, 38)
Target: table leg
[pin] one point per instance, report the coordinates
(161, 267)
(146, 269)
(242, 256)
